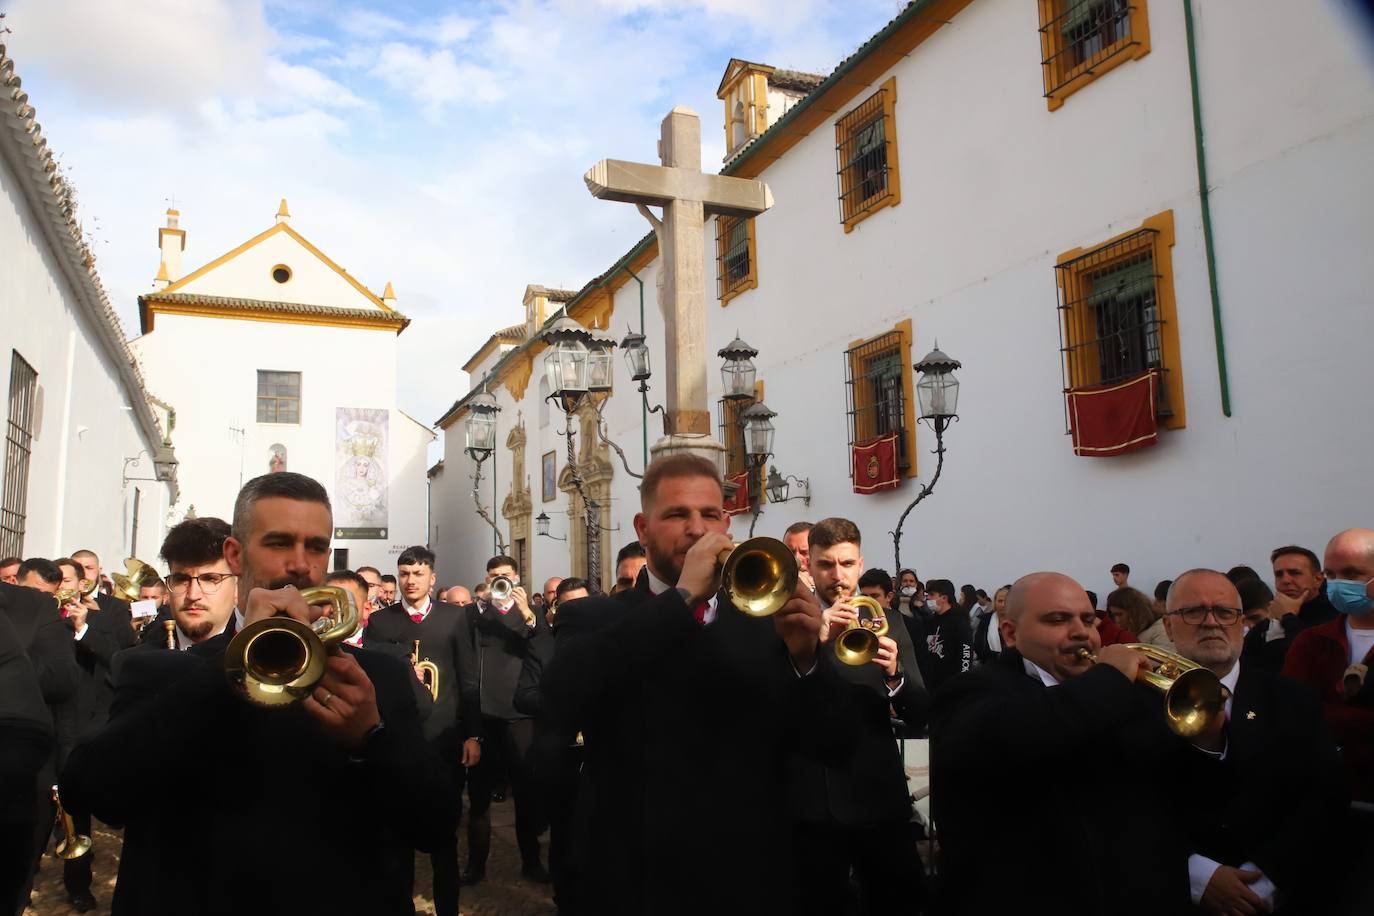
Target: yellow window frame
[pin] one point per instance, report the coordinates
(1078, 320)
(727, 289)
(1063, 77)
(862, 406)
(857, 204)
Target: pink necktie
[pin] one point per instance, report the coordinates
(699, 612)
(418, 618)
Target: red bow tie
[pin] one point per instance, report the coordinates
(417, 617)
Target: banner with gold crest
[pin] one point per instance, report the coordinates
(360, 483)
(875, 465)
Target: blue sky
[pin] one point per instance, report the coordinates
(439, 146)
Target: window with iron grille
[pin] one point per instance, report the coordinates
(1117, 314)
(279, 397)
(1081, 39)
(18, 449)
(866, 156)
(877, 380)
(736, 269)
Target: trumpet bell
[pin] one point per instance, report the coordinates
(279, 660)
(78, 846)
(1193, 702)
(759, 576)
(857, 644)
(501, 589)
(127, 586)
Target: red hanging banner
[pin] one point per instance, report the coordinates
(1110, 420)
(876, 467)
(738, 503)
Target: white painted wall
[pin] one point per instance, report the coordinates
(209, 366)
(76, 498)
(994, 187)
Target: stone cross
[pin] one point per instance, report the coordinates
(688, 198)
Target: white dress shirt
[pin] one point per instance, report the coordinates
(1034, 670)
(422, 609)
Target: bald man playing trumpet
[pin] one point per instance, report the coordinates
(1018, 750)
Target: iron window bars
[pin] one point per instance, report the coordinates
(18, 450)
(862, 157)
(1083, 35)
(875, 393)
(733, 263)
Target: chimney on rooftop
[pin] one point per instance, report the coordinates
(171, 239)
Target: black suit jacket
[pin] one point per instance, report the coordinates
(1015, 771)
(1278, 799)
(109, 630)
(254, 810)
(1269, 654)
(44, 639)
(862, 783)
(501, 643)
(687, 731)
(444, 640)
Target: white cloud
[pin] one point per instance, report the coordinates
(127, 55)
(435, 78)
(308, 85)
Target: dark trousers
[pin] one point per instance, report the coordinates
(884, 861)
(505, 752)
(558, 772)
(22, 755)
(444, 859)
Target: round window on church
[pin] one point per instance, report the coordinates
(281, 273)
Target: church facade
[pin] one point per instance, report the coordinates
(281, 360)
(88, 462)
(1072, 201)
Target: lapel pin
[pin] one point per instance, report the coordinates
(1250, 714)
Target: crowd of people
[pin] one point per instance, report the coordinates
(682, 755)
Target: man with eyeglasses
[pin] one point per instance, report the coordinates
(203, 590)
(1264, 811)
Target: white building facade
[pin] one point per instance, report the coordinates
(280, 360)
(986, 173)
(85, 441)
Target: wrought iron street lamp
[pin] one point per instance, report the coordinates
(937, 394)
(780, 490)
(480, 432)
(541, 527)
(756, 425)
(578, 364)
(739, 371)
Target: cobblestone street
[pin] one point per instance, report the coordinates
(502, 892)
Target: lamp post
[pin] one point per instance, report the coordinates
(480, 430)
(578, 364)
(937, 394)
(164, 465)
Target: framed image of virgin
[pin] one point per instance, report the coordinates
(360, 483)
(549, 477)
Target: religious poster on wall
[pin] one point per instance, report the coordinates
(360, 481)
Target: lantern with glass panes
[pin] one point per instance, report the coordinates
(739, 371)
(780, 487)
(481, 442)
(937, 393)
(541, 527)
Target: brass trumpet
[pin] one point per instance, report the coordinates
(171, 628)
(1193, 695)
(857, 643)
(127, 586)
(429, 668)
(759, 575)
(279, 660)
(66, 596)
(501, 589)
(73, 845)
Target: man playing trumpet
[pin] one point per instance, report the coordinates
(689, 708)
(852, 809)
(1016, 746)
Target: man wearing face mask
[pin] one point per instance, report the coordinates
(502, 631)
(948, 645)
(1334, 658)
